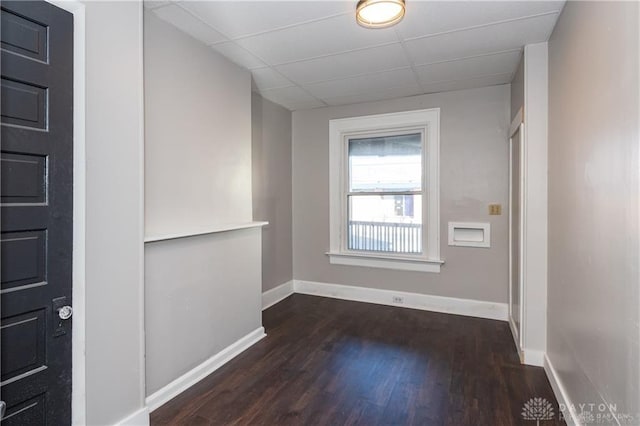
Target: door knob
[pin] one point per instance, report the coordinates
(61, 314)
(65, 312)
(3, 408)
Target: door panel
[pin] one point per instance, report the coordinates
(24, 178)
(23, 104)
(36, 187)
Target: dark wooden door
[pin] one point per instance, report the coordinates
(36, 191)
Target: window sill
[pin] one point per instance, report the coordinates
(386, 262)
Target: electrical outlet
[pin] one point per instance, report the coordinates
(398, 299)
(495, 209)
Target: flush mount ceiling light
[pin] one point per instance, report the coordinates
(379, 13)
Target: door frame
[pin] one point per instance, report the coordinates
(518, 334)
(78, 369)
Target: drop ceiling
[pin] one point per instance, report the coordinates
(309, 54)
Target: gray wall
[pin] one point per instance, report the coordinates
(202, 293)
(114, 215)
(198, 133)
(271, 163)
(593, 297)
(517, 89)
(473, 173)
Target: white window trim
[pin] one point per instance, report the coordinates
(427, 121)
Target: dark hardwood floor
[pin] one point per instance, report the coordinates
(335, 362)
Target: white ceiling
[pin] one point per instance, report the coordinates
(308, 54)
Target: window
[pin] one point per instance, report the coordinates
(384, 191)
(384, 188)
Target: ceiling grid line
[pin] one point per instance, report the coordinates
(410, 60)
(462, 58)
(476, 27)
(286, 27)
(367, 74)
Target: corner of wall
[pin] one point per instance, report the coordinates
(114, 235)
(536, 196)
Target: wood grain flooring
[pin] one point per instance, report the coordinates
(334, 362)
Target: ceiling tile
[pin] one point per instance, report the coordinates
(346, 65)
(364, 84)
(478, 41)
(326, 37)
(238, 55)
(268, 78)
(463, 69)
(318, 46)
(189, 24)
(445, 86)
(373, 96)
(432, 17)
(291, 97)
(241, 18)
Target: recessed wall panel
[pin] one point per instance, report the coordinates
(29, 412)
(25, 335)
(24, 36)
(23, 104)
(23, 257)
(23, 178)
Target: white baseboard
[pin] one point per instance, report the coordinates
(193, 376)
(448, 305)
(277, 294)
(534, 358)
(570, 416)
(139, 418)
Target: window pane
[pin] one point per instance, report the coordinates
(385, 223)
(389, 163)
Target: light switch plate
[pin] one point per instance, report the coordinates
(495, 209)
